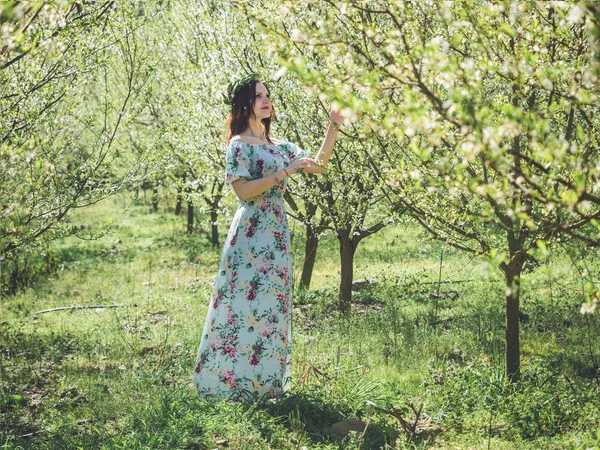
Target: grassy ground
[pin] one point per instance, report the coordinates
(121, 377)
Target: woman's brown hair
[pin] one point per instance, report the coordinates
(242, 108)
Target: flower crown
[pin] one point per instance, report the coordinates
(235, 86)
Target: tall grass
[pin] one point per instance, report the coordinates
(120, 377)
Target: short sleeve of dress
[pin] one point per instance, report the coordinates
(237, 162)
(295, 152)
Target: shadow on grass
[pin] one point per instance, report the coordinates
(313, 417)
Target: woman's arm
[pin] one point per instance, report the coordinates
(247, 189)
(326, 149)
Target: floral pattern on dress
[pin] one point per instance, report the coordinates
(245, 349)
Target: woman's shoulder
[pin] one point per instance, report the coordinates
(244, 140)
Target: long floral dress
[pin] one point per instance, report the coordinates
(245, 350)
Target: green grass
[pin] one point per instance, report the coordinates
(121, 377)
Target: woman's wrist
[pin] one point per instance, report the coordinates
(335, 125)
(281, 174)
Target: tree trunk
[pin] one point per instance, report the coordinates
(512, 273)
(347, 249)
(182, 191)
(310, 255)
(214, 239)
(190, 217)
(213, 202)
(155, 198)
(179, 203)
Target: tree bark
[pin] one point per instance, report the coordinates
(190, 217)
(213, 202)
(512, 272)
(155, 198)
(214, 238)
(179, 203)
(310, 255)
(182, 190)
(347, 250)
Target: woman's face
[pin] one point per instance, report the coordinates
(262, 102)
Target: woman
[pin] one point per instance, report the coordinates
(245, 351)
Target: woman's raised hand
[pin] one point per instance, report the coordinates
(301, 164)
(336, 117)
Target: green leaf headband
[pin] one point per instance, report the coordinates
(235, 86)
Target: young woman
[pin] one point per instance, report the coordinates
(245, 350)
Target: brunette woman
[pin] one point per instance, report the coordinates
(245, 350)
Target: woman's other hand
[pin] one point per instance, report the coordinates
(306, 165)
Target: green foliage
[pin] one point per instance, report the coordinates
(548, 403)
(471, 103)
(71, 78)
(544, 402)
(483, 114)
(479, 117)
(119, 377)
(24, 268)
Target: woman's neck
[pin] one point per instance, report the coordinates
(255, 129)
